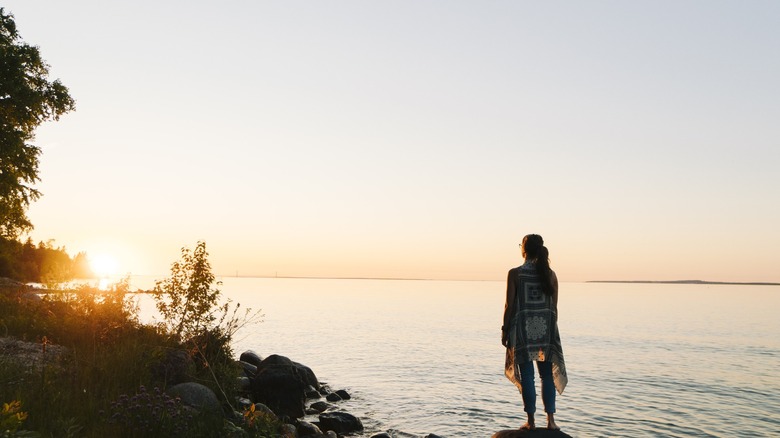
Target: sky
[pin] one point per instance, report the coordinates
(414, 139)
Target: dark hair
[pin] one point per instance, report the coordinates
(534, 249)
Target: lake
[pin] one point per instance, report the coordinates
(422, 357)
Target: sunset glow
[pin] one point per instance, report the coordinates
(415, 139)
(103, 265)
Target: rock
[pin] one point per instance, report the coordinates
(307, 374)
(307, 429)
(249, 369)
(243, 403)
(279, 385)
(259, 407)
(432, 435)
(289, 431)
(332, 434)
(381, 435)
(340, 422)
(311, 392)
(321, 406)
(324, 389)
(536, 433)
(250, 356)
(197, 396)
(343, 394)
(32, 355)
(333, 397)
(244, 384)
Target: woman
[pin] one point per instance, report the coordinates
(530, 330)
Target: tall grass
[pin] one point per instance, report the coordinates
(110, 354)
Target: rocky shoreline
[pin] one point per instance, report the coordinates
(291, 392)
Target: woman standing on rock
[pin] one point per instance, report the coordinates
(530, 330)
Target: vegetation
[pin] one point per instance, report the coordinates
(112, 379)
(27, 99)
(43, 263)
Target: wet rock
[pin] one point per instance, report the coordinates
(308, 375)
(340, 422)
(333, 397)
(279, 385)
(311, 392)
(321, 406)
(536, 433)
(381, 435)
(343, 394)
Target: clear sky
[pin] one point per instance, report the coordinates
(415, 138)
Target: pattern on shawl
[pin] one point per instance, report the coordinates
(533, 330)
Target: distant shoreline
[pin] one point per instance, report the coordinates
(733, 283)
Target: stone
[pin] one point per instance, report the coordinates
(312, 393)
(340, 422)
(343, 394)
(259, 407)
(279, 385)
(244, 384)
(198, 396)
(539, 432)
(307, 429)
(250, 356)
(381, 435)
(307, 374)
(332, 434)
(289, 431)
(333, 397)
(249, 369)
(321, 406)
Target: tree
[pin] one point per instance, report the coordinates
(188, 300)
(27, 99)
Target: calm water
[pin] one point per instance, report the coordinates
(425, 356)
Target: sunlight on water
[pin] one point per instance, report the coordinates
(425, 356)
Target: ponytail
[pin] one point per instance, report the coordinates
(543, 268)
(533, 248)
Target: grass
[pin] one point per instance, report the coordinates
(111, 357)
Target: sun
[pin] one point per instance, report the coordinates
(103, 265)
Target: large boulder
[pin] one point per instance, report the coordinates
(279, 385)
(308, 375)
(525, 433)
(340, 422)
(249, 369)
(250, 356)
(200, 397)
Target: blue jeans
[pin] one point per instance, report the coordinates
(529, 389)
